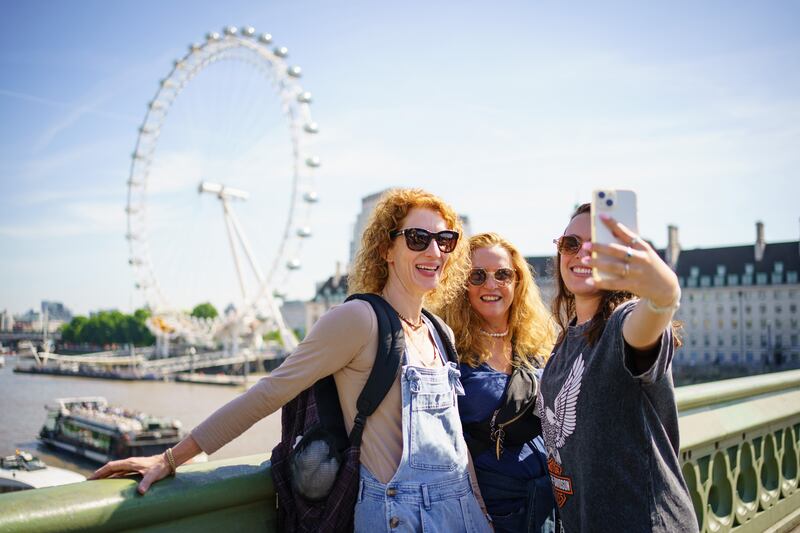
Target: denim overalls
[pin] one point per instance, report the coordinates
(431, 489)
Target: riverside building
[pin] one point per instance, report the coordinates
(739, 304)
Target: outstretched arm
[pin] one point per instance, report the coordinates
(641, 271)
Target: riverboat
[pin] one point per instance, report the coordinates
(23, 471)
(89, 427)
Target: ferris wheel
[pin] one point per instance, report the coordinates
(221, 188)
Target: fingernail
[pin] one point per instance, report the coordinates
(604, 216)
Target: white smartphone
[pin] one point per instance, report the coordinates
(621, 205)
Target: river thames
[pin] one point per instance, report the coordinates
(23, 397)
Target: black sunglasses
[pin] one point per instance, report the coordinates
(568, 244)
(503, 276)
(418, 239)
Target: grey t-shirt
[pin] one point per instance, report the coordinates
(612, 436)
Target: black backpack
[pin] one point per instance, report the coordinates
(316, 464)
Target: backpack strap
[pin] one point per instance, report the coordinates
(444, 334)
(391, 345)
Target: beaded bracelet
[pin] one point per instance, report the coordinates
(171, 461)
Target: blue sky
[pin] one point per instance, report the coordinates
(512, 111)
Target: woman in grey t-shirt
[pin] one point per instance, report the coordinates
(607, 401)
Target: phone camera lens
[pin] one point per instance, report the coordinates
(601, 194)
(609, 202)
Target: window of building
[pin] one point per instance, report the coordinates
(705, 281)
(720, 341)
(762, 295)
(793, 322)
(706, 323)
(734, 309)
(793, 308)
(748, 340)
(761, 278)
(691, 282)
(734, 323)
(693, 341)
(691, 297)
(763, 340)
(734, 340)
(777, 278)
(748, 324)
(681, 282)
(733, 279)
(778, 340)
(706, 341)
(778, 324)
(694, 272)
(719, 281)
(793, 340)
(778, 309)
(747, 279)
(749, 357)
(720, 309)
(735, 357)
(720, 270)
(747, 309)
(791, 277)
(692, 311)
(717, 296)
(762, 308)
(777, 294)
(720, 324)
(778, 266)
(749, 268)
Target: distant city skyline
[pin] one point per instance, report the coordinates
(513, 112)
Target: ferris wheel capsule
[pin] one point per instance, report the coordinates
(313, 162)
(305, 231)
(304, 97)
(294, 71)
(212, 36)
(265, 38)
(231, 30)
(311, 197)
(293, 264)
(311, 127)
(248, 31)
(281, 51)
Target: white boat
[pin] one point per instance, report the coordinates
(23, 471)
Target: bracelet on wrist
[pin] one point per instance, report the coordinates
(661, 310)
(170, 461)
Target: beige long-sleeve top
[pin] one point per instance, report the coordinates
(344, 343)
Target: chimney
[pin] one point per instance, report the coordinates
(761, 244)
(673, 247)
(337, 277)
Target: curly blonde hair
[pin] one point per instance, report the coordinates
(530, 324)
(370, 270)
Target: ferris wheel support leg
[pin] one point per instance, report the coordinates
(231, 226)
(287, 336)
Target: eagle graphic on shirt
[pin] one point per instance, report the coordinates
(559, 423)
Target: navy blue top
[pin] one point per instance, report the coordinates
(484, 387)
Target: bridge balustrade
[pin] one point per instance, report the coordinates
(740, 444)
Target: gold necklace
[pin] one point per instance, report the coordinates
(408, 321)
(420, 351)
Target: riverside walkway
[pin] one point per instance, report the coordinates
(740, 444)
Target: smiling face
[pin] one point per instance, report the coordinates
(491, 301)
(417, 272)
(572, 271)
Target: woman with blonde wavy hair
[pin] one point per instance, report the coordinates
(504, 334)
(411, 254)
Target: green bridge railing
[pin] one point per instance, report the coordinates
(740, 449)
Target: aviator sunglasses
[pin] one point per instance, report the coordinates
(418, 239)
(502, 276)
(568, 244)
